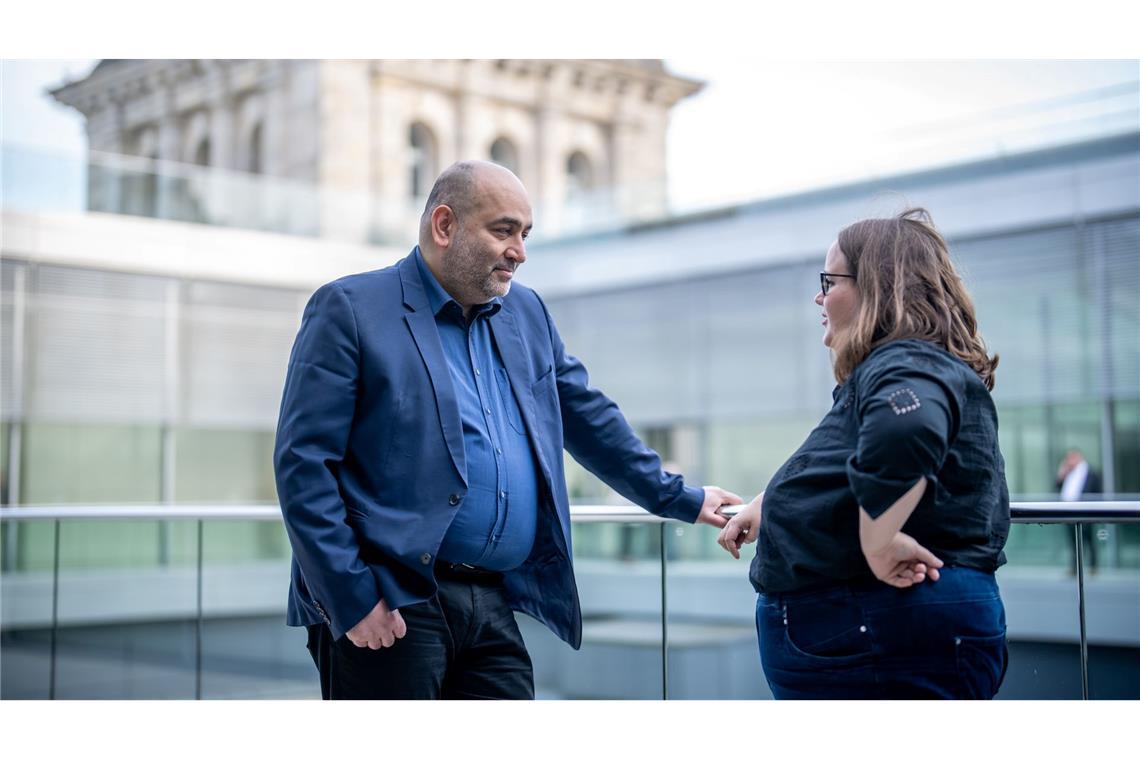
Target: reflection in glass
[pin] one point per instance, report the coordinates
(247, 650)
(127, 626)
(621, 627)
(713, 652)
(26, 610)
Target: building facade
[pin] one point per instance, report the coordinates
(357, 143)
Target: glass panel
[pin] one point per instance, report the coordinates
(1112, 618)
(91, 463)
(1023, 437)
(713, 651)
(747, 453)
(4, 433)
(127, 610)
(1042, 617)
(621, 624)
(25, 611)
(224, 466)
(1126, 442)
(247, 650)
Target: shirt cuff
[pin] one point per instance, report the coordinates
(875, 492)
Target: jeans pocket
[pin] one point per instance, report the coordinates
(981, 662)
(826, 631)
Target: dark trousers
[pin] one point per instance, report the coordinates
(941, 639)
(463, 643)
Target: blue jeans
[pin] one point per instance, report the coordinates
(941, 639)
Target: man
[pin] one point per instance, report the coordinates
(1076, 481)
(419, 460)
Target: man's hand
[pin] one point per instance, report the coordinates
(903, 562)
(379, 629)
(743, 528)
(715, 498)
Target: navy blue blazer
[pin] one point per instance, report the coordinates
(369, 454)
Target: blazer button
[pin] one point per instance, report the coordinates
(453, 499)
(425, 558)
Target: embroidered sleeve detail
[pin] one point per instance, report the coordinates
(903, 400)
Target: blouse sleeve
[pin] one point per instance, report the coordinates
(908, 416)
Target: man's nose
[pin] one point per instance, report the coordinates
(517, 250)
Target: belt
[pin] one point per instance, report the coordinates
(461, 571)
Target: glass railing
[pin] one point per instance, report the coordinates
(37, 180)
(187, 602)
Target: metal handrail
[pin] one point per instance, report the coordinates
(1069, 513)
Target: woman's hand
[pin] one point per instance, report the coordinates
(903, 562)
(742, 528)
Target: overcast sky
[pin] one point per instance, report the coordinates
(764, 127)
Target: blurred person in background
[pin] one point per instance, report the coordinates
(419, 460)
(879, 537)
(1076, 481)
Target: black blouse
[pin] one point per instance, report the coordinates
(909, 410)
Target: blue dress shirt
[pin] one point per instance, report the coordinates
(495, 526)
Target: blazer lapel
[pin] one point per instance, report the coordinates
(509, 341)
(421, 323)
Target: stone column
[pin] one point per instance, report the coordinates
(345, 147)
(171, 182)
(105, 172)
(550, 185)
(223, 193)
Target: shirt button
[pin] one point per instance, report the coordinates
(503, 494)
(425, 558)
(476, 373)
(487, 410)
(498, 450)
(453, 499)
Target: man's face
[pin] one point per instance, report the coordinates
(490, 241)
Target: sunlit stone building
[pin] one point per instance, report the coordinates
(587, 137)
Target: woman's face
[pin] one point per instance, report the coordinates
(842, 299)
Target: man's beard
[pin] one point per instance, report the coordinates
(468, 270)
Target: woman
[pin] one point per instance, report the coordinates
(850, 604)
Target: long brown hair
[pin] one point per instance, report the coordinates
(908, 288)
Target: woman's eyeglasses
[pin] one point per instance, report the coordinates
(825, 282)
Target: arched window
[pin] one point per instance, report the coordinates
(140, 186)
(579, 174)
(505, 154)
(423, 159)
(254, 162)
(202, 152)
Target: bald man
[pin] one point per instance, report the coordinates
(419, 460)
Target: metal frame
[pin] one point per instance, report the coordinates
(1044, 512)
(1077, 514)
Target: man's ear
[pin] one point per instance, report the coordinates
(443, 225)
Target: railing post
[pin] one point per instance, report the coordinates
(1078, 531)
(198, 622)
(54, 612)
(664, 617)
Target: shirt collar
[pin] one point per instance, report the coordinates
(438, 298)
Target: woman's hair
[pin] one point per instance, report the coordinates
(908, 288)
